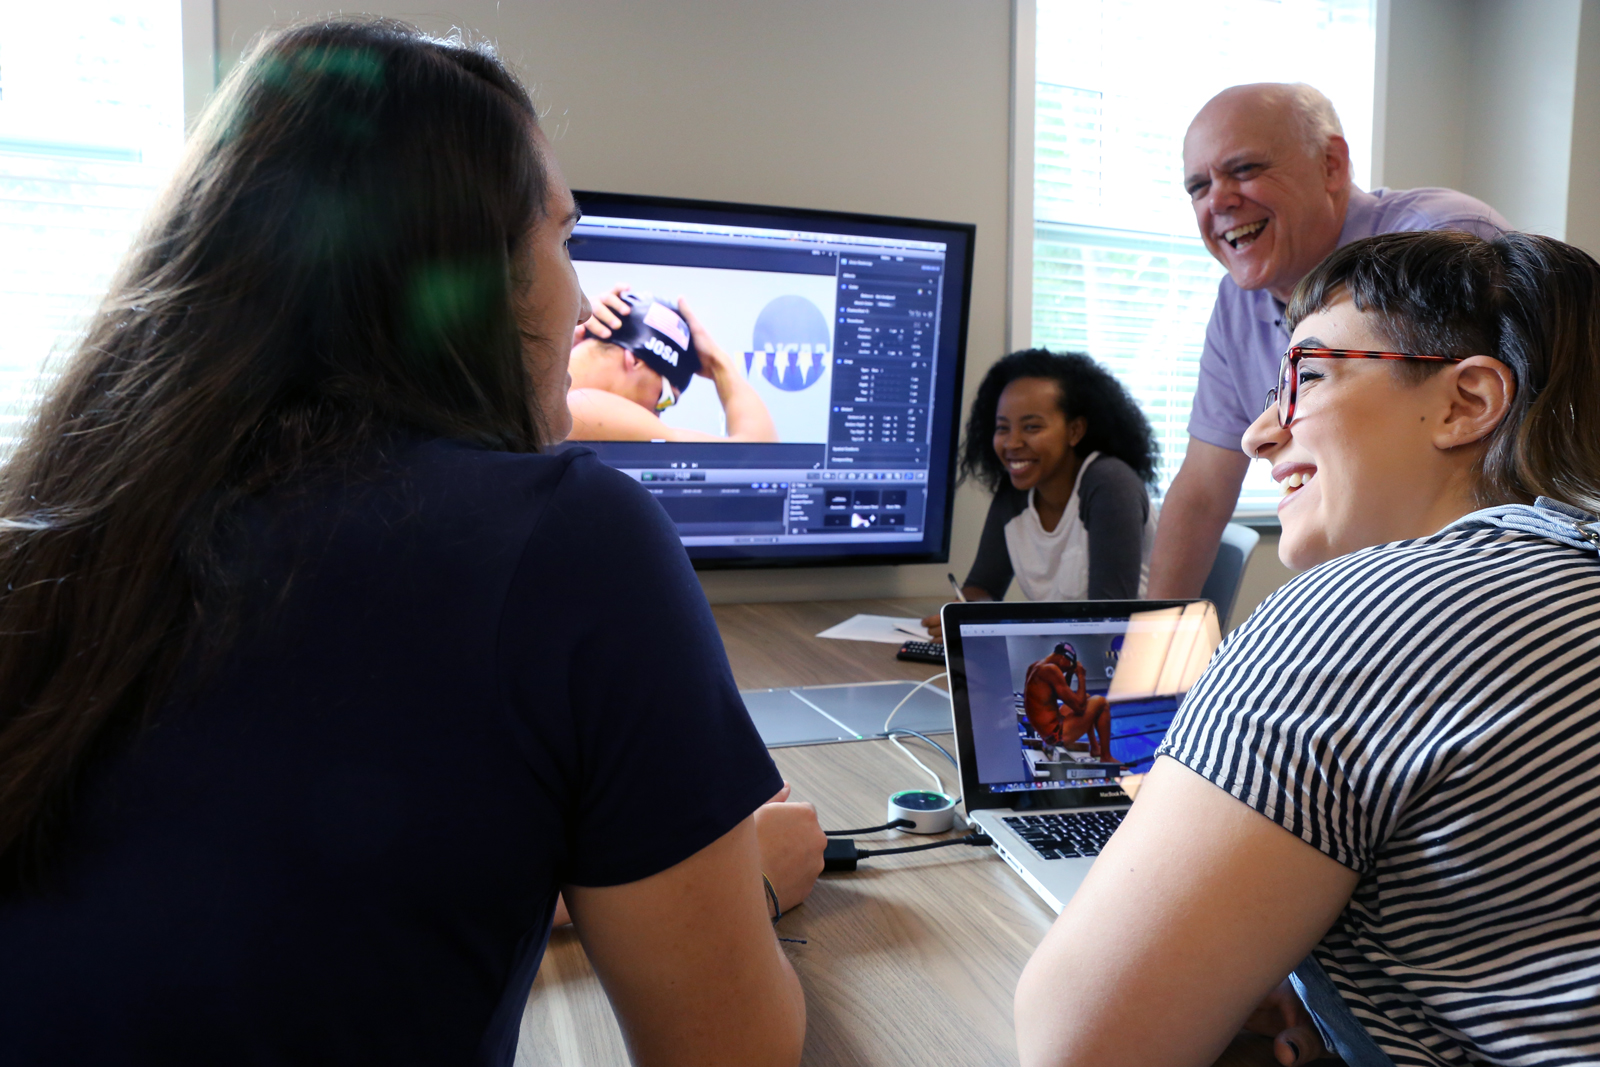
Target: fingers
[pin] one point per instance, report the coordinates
(712, 357)
(607, 311)
(781, 795)
(697, 329)
(791, 843)
(689, 316)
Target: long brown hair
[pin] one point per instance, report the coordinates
(335, 262)
(1531, 302)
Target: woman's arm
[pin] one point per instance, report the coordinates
(1195, 910)
(991, 571)
(1113, 506)
(690, 962)
(791, 843)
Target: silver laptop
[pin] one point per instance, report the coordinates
(1053, 704)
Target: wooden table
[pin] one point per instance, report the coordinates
(772, 645)
(910, 960)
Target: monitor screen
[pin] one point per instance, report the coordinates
(846, 334)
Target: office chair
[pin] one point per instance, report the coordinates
(1227, 573)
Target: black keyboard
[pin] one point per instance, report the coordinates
(922, 652)
(1066, 835)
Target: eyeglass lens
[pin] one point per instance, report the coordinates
(1285, 388)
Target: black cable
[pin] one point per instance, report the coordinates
(870, 829)
(970, 839)
(842, 855)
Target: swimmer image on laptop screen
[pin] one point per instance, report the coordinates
(1053, 704)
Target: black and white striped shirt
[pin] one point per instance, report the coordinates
(1428, 714)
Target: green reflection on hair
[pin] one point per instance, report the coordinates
(448, 300)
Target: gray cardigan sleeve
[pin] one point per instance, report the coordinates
(991, 570)
(1114, 506)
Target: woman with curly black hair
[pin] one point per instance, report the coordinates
(1068, 456)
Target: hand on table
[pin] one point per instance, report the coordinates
(791, 843)
(935, 628)
(1284, 1019)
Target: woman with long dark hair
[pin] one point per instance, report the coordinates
(318, 680)
(1383, 786)
(1069, 458)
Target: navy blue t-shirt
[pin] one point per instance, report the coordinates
(460, 683)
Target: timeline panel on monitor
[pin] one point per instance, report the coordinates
(849, 329)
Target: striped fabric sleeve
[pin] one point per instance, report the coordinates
(1358, 688)
(1428, 714)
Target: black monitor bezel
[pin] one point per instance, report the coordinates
(717, 557)
(976, 795)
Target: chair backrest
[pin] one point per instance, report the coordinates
(1227, 573)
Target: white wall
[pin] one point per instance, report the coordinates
(1519, 102)
(1424, 113)
(894, 107)
(1484, 96)
(1583, 192)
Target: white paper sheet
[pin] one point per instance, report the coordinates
(885, 629)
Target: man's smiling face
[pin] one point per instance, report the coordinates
(1268, 209)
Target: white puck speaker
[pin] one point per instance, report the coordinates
(929, 812)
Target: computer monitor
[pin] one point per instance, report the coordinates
(852, 331)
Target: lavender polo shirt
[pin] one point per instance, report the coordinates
(1246, 335)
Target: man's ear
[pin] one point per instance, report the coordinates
(1480, 392)
(1336, 163)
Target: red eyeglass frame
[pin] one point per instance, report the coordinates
(1288, 388)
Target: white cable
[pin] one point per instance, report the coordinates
(895, 741)
(912, 693)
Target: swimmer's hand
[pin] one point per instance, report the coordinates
(791, 843)
(1295, 1039)
(606, 313)
(745, 412)
(713, 360)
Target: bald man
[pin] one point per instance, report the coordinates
(1267, 170)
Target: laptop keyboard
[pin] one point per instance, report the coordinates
(1066, 835)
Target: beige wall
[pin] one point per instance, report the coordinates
(882, 106)
(1500, 99)
(894, 107)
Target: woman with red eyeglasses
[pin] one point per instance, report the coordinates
(1385, 786)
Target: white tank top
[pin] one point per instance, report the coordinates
(1054, 564)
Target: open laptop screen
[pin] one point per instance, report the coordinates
(1052, 710)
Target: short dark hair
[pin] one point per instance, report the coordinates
(1531, 302)
(1116, 425)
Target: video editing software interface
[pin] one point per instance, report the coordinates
(849, 333)
(1076, 703)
